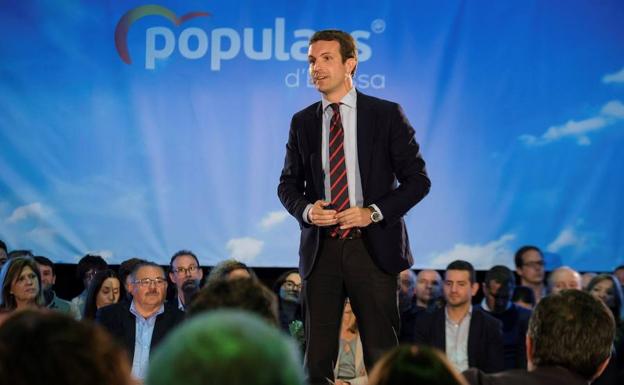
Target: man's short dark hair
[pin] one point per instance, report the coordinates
(126, 267)
(245, 294)
(52, 348)
(465, 266)
(20, 253)
(501, 274)
(524, 294)
(520, 254)
(180, 253)
(45, 262)
(348, 49)
(621, 267)
(3, 246)
(573, 330)
(89, 262)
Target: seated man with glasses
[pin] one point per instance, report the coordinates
(186, 275)
(530, 268)
(143, 323)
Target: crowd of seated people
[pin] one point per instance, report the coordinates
(228, 327)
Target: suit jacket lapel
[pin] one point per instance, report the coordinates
(129, 327)
(473, 333)
(365, 138)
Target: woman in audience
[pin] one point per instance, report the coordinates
(415, 365)
(21, 284)
(288, 290)
(350, 367)
(105, 289)
(607, 288)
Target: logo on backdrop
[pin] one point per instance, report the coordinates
(223, 44)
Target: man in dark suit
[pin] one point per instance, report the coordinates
(352, 171)
(568, 342)
(142, 323)
(468, 335)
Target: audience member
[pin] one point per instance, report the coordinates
(20, 253)
(230, 347)
(87, 267)
(125, 275)
(607, 288)
(350, 368)
(564, 278)
(408, 307)
(288, 290)
(524, 297)
(21, 284)
(243, 294)
(186, 274)
(568, 342)
(586, 278)
(530, 267)
(428, 289)
(104, 289)
(415, 365)
(619, 274)
(48, 279)
(51, 348)
(143, 323)
(3, 253)
(497, 289)
(230, 269)
(469, 336)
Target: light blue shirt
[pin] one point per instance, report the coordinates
(348, 115)
(143, 340)
(457, 340)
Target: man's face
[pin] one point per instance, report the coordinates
(185, 269)
(327, 70)
(457, 288)
(427, 286)
(619, 274)
(48, 279)
(151, 293)
(532, 269)
(565, 279)
(497, 295)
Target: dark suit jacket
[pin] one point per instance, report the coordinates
(550, 375)
(485, 338)
(118, 320)
(392, 172)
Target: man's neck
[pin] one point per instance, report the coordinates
(337, 95)
(457, 313)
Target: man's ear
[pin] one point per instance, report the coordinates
(171, 275)
(601, 368)
(474, 288)
(529, 352)
(350, 64)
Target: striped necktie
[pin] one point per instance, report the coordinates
(338, 168)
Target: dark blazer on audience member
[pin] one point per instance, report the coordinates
(120, 322)
(549, 375)
(485, 338)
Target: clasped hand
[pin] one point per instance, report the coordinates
(349, 218)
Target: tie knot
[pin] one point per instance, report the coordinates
(335, 107)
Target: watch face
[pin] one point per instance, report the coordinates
(375, 216)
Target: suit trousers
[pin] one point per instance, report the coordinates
(344, 268)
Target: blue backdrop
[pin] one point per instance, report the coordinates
(137, 130)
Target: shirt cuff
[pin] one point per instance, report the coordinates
(305, 213)
(376, 208)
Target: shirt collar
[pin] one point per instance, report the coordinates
(134, 311)
(349, 100)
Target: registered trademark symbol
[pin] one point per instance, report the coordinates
(378, 26)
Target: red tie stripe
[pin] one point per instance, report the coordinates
(338, 169)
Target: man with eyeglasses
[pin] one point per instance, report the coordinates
(186, 275)
(143, 323)
(530, 267)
